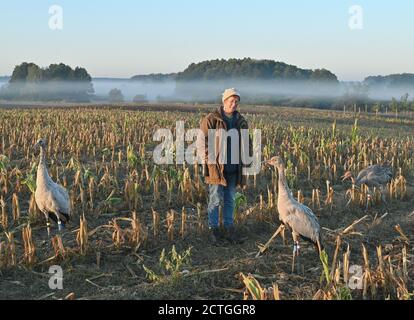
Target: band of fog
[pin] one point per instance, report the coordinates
(206, 90)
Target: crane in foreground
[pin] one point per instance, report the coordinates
(294, 216)
(51, 198)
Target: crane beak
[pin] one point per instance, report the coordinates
(267, 163)
(347, 175)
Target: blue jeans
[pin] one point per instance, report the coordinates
(217, 194)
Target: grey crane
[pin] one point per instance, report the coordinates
(51, 198)
(378, 176)
(294, 215)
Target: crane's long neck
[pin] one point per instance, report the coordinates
(42, 174)
(354, 181)
(284, 190)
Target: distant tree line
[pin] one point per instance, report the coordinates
(58, 82)
(389, 85)
(242, 69)
(404, 80)
(155, 77)
(251, 69)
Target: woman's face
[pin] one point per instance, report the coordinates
(231, 104)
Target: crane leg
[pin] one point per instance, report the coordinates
(298, 264)
(383, 198)
(295, 256)
(48, 227)
(283, 235)
(47, 224)
(384, 201)
(59, 222)
(60, 226)
(369, 199)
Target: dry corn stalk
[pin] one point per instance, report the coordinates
(353, 196)
(15, 208)
(346, 264)
(353, 224)
(338, 246)
(255, 290)
(367, 273)
(381, 276)
(276, 293)
(170, 224)
(3, 257)
(137, 234)
(11, 248)
(118, 235)
(155, 222)
(29, 246)
(33, 213)
(199, 217)
(402, 187)
(183, 223)
(404, 263)
(58, 247)
(82, 198)
(91, 187)
(401, 232)
(316, 203)
(301, 198)
(187, 186)
(82, 235)
(4, 217)
(270, 203)
(330, 195)
(261, 203)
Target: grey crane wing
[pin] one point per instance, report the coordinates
(366, 179)
(384, 174)
(47, 202)
(62, 191)
(302, 221)
(62, 198)
(377, 177)
(52, 198)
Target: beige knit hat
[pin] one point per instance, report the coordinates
(229, 93)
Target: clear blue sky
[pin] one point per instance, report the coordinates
(124, 38)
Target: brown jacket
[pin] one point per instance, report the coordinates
(214, 173)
